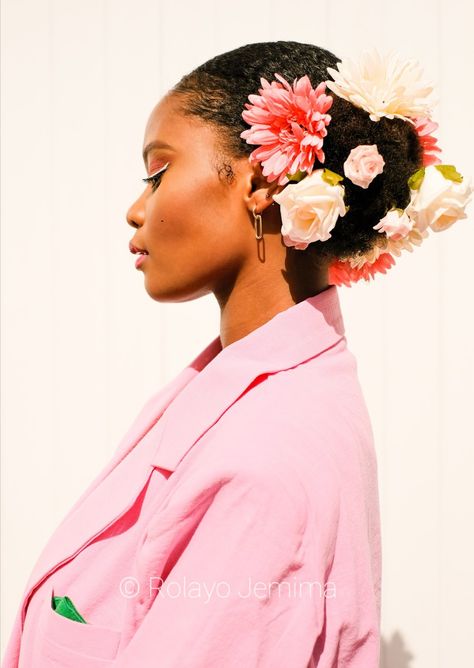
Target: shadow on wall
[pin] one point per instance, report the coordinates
(394, 653)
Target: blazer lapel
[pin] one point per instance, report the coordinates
(289, 338)
(115, 489)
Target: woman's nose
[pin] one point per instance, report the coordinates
(135, 214)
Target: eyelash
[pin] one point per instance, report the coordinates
(155, 178)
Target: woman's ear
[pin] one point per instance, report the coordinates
(259, 192)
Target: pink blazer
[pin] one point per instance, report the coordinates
(241, 510)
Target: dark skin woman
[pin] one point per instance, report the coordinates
(198, 229)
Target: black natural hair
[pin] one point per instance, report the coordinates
(217, 90)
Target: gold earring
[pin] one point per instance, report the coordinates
(257, 223)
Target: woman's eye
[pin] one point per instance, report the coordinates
(155, 178)
(155, 181)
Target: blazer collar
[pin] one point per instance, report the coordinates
(292, 336)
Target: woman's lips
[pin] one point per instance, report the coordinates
(140, 259)
(142, 253)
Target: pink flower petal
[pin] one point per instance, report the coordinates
(294, 119)
(341, 273)
(424, 127)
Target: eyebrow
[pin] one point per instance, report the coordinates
(152, 145)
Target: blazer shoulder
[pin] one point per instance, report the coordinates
(298, 406)
(299, 423)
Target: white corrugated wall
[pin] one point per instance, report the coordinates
(84, 345)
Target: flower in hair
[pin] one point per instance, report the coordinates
(382, 85)
(392, 245)
(363, 165)
(414, 237)
(310, 208)
(396, 224)
(342, 273)
(424, 128)
(289, 123)
(439, 196)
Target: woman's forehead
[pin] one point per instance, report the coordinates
(171, 129)
(163, 122)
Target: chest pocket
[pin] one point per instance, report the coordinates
(67, 643)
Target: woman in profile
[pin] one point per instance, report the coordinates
(237, 524)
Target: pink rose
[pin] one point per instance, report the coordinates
(363, 164)
(396, 224)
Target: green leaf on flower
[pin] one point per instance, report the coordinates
(450, 172)
(415, 180)
(331, 177)
(297, 176)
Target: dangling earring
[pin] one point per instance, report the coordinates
(257, 223)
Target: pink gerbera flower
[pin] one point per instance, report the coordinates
(289, 123)
(341, 273)
(424, 127)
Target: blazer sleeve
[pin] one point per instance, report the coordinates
(231, 592)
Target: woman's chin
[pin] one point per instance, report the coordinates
(173, 292)
(162, 291)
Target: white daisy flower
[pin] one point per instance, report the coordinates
(383, 85)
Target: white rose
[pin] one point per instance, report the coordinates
(439, 202)
(309, 209)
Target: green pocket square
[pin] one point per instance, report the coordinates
(65, 607)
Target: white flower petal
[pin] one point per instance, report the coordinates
(439, 201)
(382, 85)
(310, 209)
